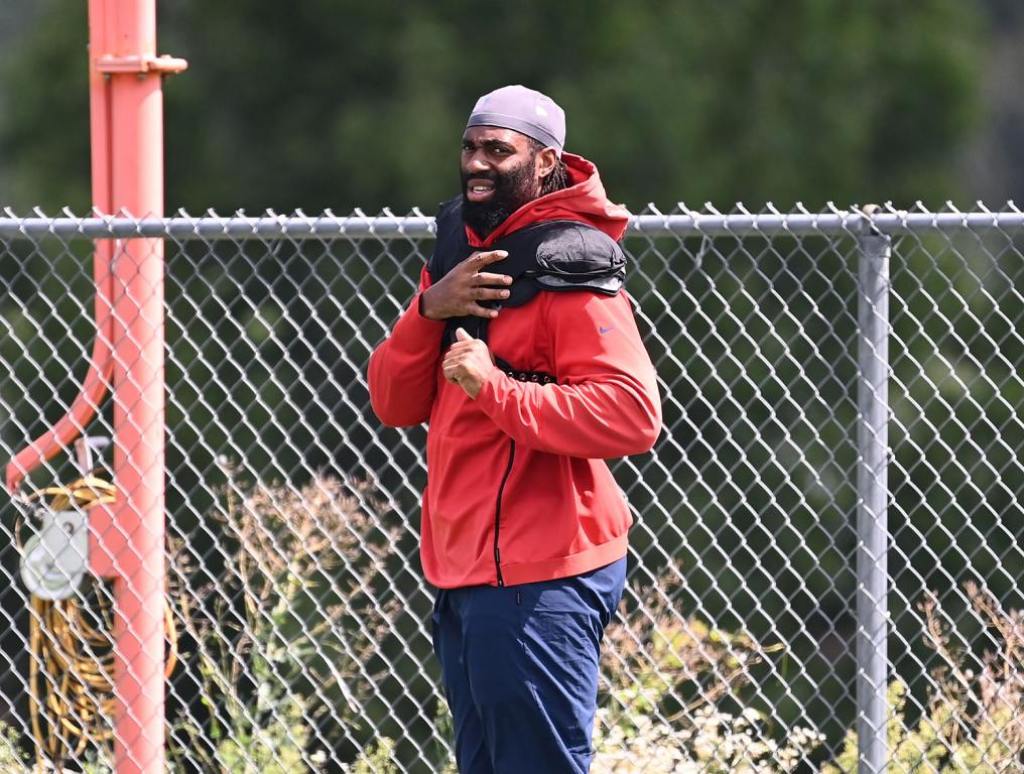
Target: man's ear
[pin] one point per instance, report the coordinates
(547, 160)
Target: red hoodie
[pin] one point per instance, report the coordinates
(517, 487)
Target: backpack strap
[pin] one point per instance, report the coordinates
(557, 255)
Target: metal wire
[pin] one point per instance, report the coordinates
(293, 514)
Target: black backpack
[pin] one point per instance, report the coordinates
(557, 255)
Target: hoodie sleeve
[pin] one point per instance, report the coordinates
(403, 368)
(605, 403)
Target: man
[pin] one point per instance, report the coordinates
(524, 530)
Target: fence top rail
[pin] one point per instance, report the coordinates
(687, 224)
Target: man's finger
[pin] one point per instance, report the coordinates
(453, 357)
(457, 352)
(482, 294)
(462, 335)
(484, 258)
(481, 311)
(486, 278)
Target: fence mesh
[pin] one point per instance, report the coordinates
(298, 618)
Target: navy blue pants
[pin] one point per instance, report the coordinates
(520, 666)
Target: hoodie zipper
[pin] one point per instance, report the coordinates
(497, 510)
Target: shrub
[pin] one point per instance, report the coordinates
(667, 679)
(13, 757)
(292, 615)
(973, 719)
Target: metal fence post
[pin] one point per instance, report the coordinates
(872, 497)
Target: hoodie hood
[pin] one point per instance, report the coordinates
(584, 201)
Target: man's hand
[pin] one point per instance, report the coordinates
(468, 363)
(458, 292)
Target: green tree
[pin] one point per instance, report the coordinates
(340, 104)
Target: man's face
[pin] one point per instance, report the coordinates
(501, 171)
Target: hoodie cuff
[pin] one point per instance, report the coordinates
(492, 392)
(413, 327)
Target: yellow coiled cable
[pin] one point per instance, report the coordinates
(72, 650)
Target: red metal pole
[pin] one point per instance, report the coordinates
(97, 379)
(123, 61)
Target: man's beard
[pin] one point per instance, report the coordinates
(511, 191)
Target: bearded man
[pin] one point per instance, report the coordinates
(521, 350)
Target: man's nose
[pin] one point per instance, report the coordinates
(477, 162)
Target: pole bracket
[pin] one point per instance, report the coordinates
(147, 63)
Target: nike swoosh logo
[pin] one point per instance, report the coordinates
(602, 330)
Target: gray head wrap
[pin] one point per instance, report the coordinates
(523, 110)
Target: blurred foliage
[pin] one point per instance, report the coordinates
(341, 104)
(13, 757)
(972, 719)
(283, 624)
(378, 758)
(681, 696)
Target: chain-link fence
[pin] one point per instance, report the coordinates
(840, 470)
